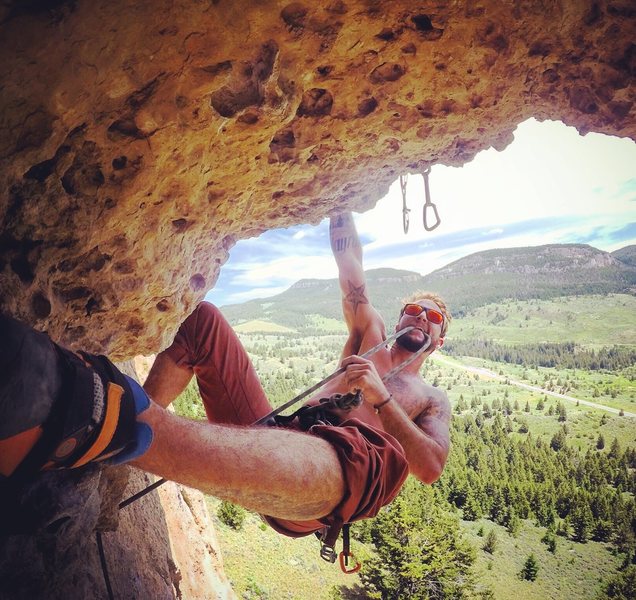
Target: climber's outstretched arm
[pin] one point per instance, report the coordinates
(281, 473)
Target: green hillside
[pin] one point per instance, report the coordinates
(482, 278)
(626, 255)
(531, 272)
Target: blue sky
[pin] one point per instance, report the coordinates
(551, 185)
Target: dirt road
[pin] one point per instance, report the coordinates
(487, 373)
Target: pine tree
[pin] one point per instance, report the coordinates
(514, 523)
(558, 440)
(530, 568)
(563, 415)
(490, 543)
(420, 551)
(600, 442)
(621, 586)
(549, 539)
(582, 520)
(615, 449)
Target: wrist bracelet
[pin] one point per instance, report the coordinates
(377, 407)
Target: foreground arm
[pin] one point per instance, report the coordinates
(281, 473)
(425, 439)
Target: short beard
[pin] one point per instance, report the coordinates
(409, 344)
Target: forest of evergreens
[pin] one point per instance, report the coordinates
(566, 355)
(419, 550)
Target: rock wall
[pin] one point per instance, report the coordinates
(163, 546)
(139, 141)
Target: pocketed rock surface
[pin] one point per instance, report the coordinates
(139, 141)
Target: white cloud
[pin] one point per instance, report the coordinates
(239, 297)
(288, 269)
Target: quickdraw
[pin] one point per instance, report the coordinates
(428, 205)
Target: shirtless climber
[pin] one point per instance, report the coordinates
(304, 481)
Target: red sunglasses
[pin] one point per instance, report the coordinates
(415, 310)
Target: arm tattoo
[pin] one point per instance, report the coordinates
(342, 243)
(356, 296)
(342, 220)
(342, 234)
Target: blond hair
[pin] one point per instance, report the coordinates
(423, 295)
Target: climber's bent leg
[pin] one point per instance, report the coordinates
(279, 472)
(207, 346)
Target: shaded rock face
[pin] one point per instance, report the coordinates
(139, 141)
(163, 546)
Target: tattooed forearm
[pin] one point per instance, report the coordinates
(356, 296)
(342, 233)
(340, 244)
(342, 220)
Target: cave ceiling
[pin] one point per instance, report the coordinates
(140, 140)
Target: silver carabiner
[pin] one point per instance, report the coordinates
(428, 204)
(405, 210)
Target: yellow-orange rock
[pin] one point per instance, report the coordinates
(139, 141)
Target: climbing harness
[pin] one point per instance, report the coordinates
(405, 210)
(428, 205)
(318, 414)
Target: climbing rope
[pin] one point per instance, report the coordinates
(102, 560)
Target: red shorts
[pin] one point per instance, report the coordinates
(373, 462)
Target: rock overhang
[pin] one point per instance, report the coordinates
(139, 142)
